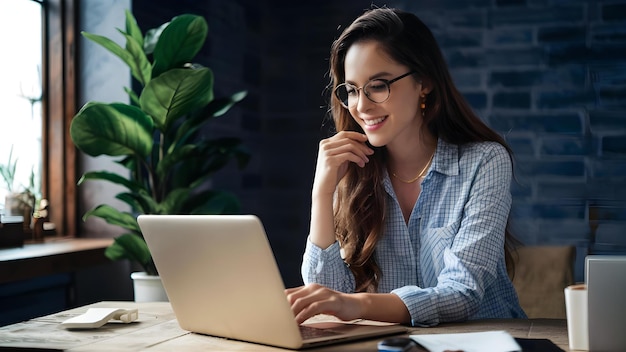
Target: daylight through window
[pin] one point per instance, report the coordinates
(21, 96)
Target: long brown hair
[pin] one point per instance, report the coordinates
(360, 201)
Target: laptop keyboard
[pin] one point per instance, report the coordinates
(308, 332)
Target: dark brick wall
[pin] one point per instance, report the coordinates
(548, 74)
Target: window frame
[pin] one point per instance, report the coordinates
(58, 108)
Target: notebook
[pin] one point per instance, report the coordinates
(606, 302)
(221, 278)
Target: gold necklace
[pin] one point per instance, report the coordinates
(419, 175)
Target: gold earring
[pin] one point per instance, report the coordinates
(423, 104)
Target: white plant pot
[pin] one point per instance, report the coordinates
(148, 288)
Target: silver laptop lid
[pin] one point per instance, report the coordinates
(221, 277)
(606, 290)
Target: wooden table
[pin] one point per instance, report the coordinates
(157, 330)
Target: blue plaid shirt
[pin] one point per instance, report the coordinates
(448, 263)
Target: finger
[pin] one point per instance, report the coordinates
(357, 148)
(317, 301)
(356, 137)
(312, 305)
(295, 292)
(352, 157)
(311, 310)
(352, 135)
(362, 139)
(343, 149)
(292, 289)
(332, 303)
(303, 296)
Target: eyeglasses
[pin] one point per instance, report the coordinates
(376, 90)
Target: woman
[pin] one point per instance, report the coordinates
(411, 197)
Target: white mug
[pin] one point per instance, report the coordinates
(577, 321)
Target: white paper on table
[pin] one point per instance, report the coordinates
(488, 341)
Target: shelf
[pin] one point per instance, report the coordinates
(54, 256)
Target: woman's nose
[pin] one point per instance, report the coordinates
(363, 103)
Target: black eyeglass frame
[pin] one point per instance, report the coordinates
(387, 82)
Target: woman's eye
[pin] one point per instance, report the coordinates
(377, 86)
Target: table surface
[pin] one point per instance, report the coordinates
(157, 330)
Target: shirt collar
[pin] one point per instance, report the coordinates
(445, 161)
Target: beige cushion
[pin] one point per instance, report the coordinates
(541, 275)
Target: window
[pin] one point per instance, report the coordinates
(21, 92)
(57, 105)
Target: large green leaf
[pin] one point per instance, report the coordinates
(176, 93)
(224, 104)
(216, 107)
(170, 159)
(112, 129)
(220, 151)
(132, 28)
(173, 202)
(132, 247)
(209, 156)
(141, 202)
(139, 198)
(139, 65)
(179, 42)
(152, 37)
(129, 58)
(110, 45)
(114, 217)
(111, 177)
(132, 95)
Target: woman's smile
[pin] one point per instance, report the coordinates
(374, 122)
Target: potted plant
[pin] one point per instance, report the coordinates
(158, 135)
(18, 202)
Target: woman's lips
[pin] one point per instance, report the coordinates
(374, 122)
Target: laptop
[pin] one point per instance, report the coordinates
(221, 278)
(606, 302)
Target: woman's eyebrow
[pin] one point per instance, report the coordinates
(372, 77)
(380, 75)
